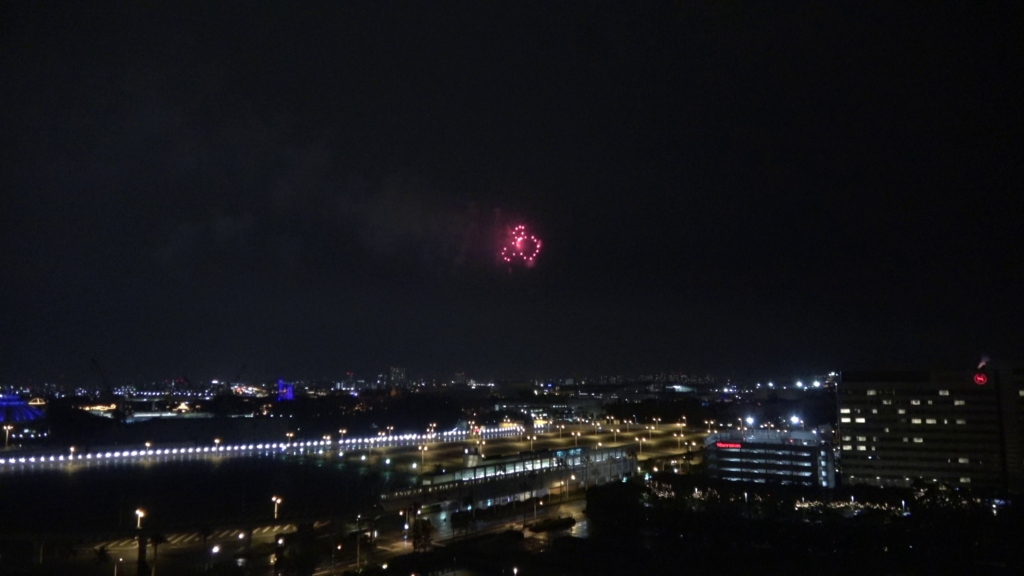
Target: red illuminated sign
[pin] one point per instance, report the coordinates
(728, 445)
(980, 379)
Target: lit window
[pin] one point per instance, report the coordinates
(918, 440)
(847, 447)
(862, 448)
(965, 460)
(915, 420)
(905, 439)
(943, 392)
(847, 438)
(959, 403)
(862, 438)
(1020, 392)
(961, 421)
(845, 420)
(871, 392)
(887, 402)
(930, 421)
(901, 411)
(844, 411)
(965, 480)
(915, 402)
(860, 420)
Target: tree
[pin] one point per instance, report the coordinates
(156, 540)
(102, 556)
(422, 534)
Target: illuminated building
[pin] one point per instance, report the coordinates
(767, 456)
(955, 428)
(15, 409)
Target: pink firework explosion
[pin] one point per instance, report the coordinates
(522, 247)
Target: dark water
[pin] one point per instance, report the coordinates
(187, 494)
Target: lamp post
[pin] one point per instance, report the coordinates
(423, 455)
(119, 560)
(7, 433)
(140, 514)
(532, 438)
(277, 501)
(342, 432)
(641, 442)
(679, 439)
(576, 438)
(72, 452)
(616, 432)
(650, 432)
(560, 428)
(289, 435)
(656, 420)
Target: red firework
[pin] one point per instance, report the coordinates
(522, 247)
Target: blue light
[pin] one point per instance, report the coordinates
(14, 409)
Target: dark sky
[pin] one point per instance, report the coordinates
(738, 187)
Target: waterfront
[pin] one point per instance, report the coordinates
(187, 493)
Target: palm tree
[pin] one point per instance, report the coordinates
(156, 540)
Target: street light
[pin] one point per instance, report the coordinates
(289, 435)
(119, 560)
(7, 439)
(616, 431)
(641, 442)
(532, 438)
(423, 455)
(650, 432)
(72, 452)
(342, 432)
(576, 438)
(277, 501)
(679, 438)
(140, 514)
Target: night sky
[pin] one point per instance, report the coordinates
(745, 188)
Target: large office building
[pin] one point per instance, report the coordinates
(955, 428)
(797, 457)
